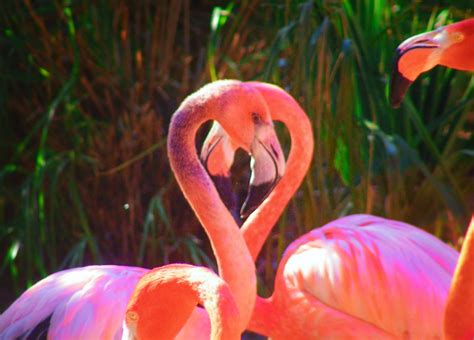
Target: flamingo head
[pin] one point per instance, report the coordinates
(422, 52)
(267, 159)
(152, 309)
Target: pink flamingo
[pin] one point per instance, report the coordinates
(451, 45)
(359, 276)
(459, 314)
(90, 302)
(189, 285)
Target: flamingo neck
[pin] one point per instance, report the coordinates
(219, 303)
(459, 313)
(234, 262)
(285, 109)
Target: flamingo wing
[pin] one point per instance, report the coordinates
(386, 273)
(79, 303)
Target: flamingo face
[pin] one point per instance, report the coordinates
(447, 45)
(244, 122)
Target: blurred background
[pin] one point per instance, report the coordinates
(88, 88)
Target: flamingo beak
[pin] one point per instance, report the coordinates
(218, 151)
(267, 166)
(217, 156)
(411, 58)
(398, 84)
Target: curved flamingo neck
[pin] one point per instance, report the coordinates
(285, 109)
(217, 299)
(155, 309)
(459, 313)
(235, 264)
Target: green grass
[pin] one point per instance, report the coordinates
(88, 89)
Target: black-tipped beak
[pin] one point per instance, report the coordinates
(217, 155)
(224, 188)
(268, 166)
(398, 84)
(412, 64)
(255, 196)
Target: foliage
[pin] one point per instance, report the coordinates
(88, 89)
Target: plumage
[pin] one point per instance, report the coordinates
(378, 271)
(95, 296)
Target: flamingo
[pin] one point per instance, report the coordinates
(189, 285)
(359, 276)
(90, 302)
(459, 314)
(451, 45)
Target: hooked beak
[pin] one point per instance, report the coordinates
(267, 166)
(217, 156)
(411, 58)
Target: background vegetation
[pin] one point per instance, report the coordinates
(88, 87)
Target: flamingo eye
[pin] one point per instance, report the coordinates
(458, 37)
(132, 316)
(256, 118)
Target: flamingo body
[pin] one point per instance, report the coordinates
(361, 275)
(82, 303)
